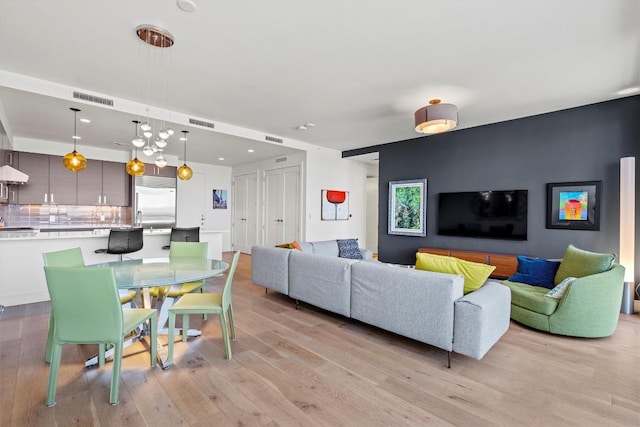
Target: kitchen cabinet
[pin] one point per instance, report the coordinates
(153, 170)
(104, 183)
(49, 181)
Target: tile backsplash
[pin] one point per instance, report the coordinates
(45, 217)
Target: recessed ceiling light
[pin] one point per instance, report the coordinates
(85, 120)
(628, 91)
(250, 150)
(186, 5)
(220, 158)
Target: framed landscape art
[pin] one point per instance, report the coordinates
(408, 207)
(574, 205)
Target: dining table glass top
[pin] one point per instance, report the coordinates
(144, 273)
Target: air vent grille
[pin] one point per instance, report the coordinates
(93, 98)
(273, 139)
(202, 123)
(281, 159)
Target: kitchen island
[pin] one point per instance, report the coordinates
(22, 279)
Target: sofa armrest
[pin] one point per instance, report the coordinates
(367, 255)
(270, 268)
(481, 318)
(598, 293)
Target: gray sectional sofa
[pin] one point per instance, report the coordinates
(423, 305)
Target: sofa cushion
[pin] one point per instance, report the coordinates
(579, 263)
(531, 297)
(534, 271)
(348, 248)
(475, 274)
(325, 247)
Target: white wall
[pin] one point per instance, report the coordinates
(218, 177)
(327, 170)
(372, 213)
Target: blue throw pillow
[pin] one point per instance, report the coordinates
(348, 248)
(536, 272)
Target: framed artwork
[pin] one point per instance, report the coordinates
(574, 205)
(408, 207)
(335, 205)
(219, 199)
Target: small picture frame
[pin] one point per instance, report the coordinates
(408, 208)
(574, 205)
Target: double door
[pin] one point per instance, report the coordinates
(282, 205)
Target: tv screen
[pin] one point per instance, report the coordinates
(488, 214)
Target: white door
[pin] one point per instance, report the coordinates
(282, 205)
(191, 197)
(245, 211)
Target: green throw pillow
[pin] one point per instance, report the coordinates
(475, 274)
(579, 263)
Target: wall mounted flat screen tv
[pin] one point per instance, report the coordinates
(484, 214)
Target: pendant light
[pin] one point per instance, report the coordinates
(74, 161)
(184, 172)
(134, 166)
(436, 117)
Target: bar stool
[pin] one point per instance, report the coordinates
(123, 241)
(189, 234)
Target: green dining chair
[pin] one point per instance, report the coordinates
(87, 309)
(205, 303)
(73, 258)
(169, 294)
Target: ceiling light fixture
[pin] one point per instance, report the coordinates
(134, 166)
(154, 37)
(184, 172)
(436, 117)
(74, 161)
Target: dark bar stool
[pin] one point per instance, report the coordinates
(189, 234)
(123, 241)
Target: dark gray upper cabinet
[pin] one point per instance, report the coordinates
(167, 171)
(100, 183)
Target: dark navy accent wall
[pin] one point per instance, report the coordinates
(579, 144)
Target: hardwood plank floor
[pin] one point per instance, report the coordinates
(308, 367)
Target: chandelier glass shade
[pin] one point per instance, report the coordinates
(185, 172)
(436, 117)
(134, 166)
(74, 161)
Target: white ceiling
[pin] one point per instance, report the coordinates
(356, 69)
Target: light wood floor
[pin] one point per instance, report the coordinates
(310, 368)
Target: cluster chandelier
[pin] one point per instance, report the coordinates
(154, 37)
(436, 117)
(74, 161)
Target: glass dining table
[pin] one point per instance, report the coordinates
(142, 274)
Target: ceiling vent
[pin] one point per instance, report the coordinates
(281, 159)
(273, 139)
(202, 123)
(93, 98)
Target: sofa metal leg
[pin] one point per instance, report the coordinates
(266, 290)
(297, 304)
(449, 359)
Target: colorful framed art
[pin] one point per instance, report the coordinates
(574, 205)
(408, 208)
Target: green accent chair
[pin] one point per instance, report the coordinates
(73, 258)
(205, 303)
(169, 294)
(87, 309)
(590, 305)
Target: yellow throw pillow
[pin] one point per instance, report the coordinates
(474, 273)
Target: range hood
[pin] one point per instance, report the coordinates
(11, 175)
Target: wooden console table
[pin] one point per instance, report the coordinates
(506, 265)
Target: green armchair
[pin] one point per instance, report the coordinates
(590, 306)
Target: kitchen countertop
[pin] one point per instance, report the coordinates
(10, 235)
